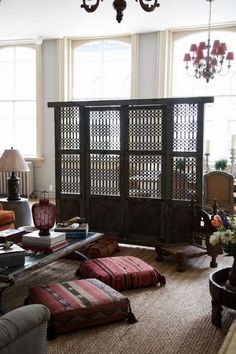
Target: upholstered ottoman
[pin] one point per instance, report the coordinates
(105, 246)
(81, 303)
(123, 272)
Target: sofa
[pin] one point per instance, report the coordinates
(24, 330)
(7, 219)
(229, 344)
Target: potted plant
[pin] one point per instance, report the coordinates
(221, 164)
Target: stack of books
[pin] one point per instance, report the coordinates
(48, 244)
(76, 230)
(12, 257)
(14, 235)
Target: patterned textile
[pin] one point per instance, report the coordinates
(125, 272)
(80, 303)
(103, 247)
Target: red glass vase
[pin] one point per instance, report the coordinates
(44, 216)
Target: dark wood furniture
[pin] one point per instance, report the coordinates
(35, 261)
(221, 296)
(198, 244)
(130, 167)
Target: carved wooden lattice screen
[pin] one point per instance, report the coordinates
(130, 167)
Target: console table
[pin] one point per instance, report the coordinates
(35, 261)
(221, 296)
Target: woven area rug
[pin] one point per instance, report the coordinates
(173, 319)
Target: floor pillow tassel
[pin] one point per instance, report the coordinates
(130, 316)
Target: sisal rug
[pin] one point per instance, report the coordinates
(173, 319)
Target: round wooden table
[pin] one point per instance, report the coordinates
(221, 296)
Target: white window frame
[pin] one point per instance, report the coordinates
(37, 160)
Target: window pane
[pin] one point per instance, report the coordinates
(102, 69)
(18, 99)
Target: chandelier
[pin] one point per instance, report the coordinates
(207, 62)
(120, 6)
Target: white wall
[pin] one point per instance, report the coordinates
(45, 175)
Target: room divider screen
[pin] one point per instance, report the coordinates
(130, 167)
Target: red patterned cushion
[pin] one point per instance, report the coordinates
(124, 272)
(104, 247)
(81, 303)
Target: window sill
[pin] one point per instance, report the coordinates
(37, 161)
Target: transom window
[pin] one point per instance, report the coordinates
(18, 99)
(101, 69)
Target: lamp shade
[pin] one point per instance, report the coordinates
(13, 161)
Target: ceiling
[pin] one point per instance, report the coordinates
(35, 19)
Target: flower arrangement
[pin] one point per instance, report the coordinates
(225, 234)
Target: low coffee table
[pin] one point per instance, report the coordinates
(35, 261)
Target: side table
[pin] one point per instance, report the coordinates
(221, 296)
(21, 208)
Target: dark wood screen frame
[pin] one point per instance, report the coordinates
(130, 167)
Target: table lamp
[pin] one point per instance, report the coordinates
(12, 161)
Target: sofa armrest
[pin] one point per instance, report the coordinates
(229, 344)
(23, 330)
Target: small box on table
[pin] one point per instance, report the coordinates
(13, 235)
(12, 257)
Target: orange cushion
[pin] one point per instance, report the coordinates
(6, 217)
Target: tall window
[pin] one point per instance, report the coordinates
(101, 69)
(18, 99)
(220, 117)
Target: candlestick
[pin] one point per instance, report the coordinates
(207, 147)
(233, 141)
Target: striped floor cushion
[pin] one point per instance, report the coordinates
(123, 272)
(104, 247)
(81, 303)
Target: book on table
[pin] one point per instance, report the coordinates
(75, 230)
(34, 239)
(13, 235)
(46, 249)
(12, 257)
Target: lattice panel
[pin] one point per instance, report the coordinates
(105, 174)
(184, 178)
(185, 118)
(145, 129)
(69, 128)
(70, 174)
(105, 130)
(145, 176)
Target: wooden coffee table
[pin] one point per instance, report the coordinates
(35, 261)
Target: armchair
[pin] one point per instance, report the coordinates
(219, 185)
(23, 330)
(7, 219)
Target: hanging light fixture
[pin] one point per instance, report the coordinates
(207, 62)
(120, 6)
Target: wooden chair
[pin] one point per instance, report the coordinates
(219, 185)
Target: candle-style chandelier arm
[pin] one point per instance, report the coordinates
(206, 65)
(119, 6)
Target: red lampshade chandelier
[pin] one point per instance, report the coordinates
(120, 6)
(207, 61)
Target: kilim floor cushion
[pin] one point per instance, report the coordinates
(81, 303)
(124, 272)
(106, 246)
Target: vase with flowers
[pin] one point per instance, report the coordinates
(226, 237)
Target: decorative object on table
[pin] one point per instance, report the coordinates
(51, 243)
(221, 164)
(206, 65)
(67, 223)
(82, 303)
(12, 161)
(14, 235)
(120, 6)
(226, 237)
(44, 215)
(74, 228)
(13, 256)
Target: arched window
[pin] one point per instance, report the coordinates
(101, 69)
(220, 117)
(18, 110)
